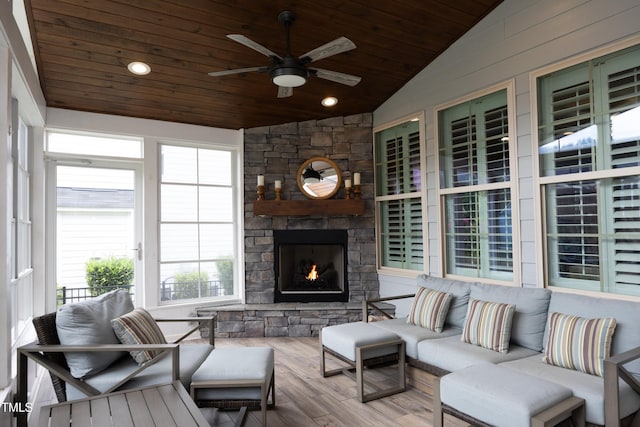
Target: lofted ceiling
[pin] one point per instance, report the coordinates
(82, 49)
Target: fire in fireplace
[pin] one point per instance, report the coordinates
(311, 266)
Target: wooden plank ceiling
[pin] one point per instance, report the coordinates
(83, 48)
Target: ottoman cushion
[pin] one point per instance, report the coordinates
(250, 364)
(498, 395)
(343, 339)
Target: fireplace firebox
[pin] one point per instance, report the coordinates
(310, 266)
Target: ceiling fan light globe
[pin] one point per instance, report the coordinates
(289, 80)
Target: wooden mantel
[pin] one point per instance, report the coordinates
(328, 207)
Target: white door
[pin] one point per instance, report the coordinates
(98, 238)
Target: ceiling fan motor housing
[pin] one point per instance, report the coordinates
(290, 72)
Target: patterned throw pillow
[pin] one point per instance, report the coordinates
(578, 343)
(138, 327)
(488, 325)
(429, 309)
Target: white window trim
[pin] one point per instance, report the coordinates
(512, 184)
(402, 272)
(539, 181)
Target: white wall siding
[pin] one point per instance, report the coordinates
(518, 37)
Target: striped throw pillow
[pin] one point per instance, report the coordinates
(429, 309)
(488, 325)
(578, 343)
(138, 327)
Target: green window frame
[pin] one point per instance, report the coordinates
(475, 170)
(399, 197)
(589, 157)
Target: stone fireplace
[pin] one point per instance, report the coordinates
(310, 266)
(277, 153)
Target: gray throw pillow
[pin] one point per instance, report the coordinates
(89, 323)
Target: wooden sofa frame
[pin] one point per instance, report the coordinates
(49, 353)
(614, 370)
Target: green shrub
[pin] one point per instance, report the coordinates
(104, 275)
(186, 285)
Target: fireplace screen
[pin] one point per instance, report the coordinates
(310, 266)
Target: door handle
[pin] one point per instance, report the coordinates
(139, 251)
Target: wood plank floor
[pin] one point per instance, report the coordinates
(305, 398)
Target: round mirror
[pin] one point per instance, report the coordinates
(319, 178)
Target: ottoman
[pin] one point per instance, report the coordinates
(488, 394)
(236, 378)
(361, 345)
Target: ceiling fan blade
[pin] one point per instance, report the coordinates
(334, 76)
(339, 45)
(253, 45)
(284, 92)
(236, 71)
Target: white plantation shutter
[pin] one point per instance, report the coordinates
(398, 175)
(592, 114)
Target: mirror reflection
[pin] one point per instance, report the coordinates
(319, 178)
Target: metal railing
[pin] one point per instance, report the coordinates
(66, 295)
(170, 290)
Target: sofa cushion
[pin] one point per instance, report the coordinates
(488, 325)
(499, 396)
(578, 343)
(452, 354)
(191, 357)
(412, 334)
(588, 387)
(89, 323)
(626, 313)
(138, 327)
(460, 297)
(429, 309)
(530, 317)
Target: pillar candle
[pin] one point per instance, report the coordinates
(356, 178)
(278, 183)
(260, 179)
(347, 183)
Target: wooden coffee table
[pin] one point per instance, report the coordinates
(165, 405)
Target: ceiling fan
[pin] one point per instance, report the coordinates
(288, 71)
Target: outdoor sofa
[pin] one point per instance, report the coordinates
(607, 399)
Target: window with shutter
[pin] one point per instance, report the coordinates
(474, 159)
(398, 197)
(589, 117)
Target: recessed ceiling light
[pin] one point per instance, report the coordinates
(329, 101)
(139, 68)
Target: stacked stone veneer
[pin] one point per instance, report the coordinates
(277, 152)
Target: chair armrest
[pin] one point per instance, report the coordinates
(372, 304)
(614, 370)
(211, 320)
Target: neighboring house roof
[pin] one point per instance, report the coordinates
(73, 197)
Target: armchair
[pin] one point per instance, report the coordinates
(49, 353)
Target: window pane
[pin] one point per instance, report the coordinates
(179, 202)
(215, 204)
(474, 144)
(214, 167)
(401, 233)
(216, 240)
(593, 234)
(179, 164)
(478, 238)
(398, 159)
(179, 242)
(94, 145)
